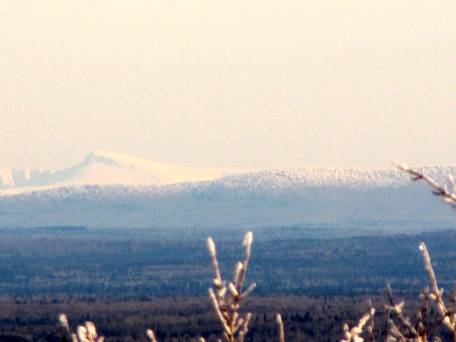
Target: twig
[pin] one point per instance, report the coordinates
(84, 333)
(354, 334)
(448, 318)
(397, 308)
(439, 190)
(281, 328)
(151, 335)
(226, 299)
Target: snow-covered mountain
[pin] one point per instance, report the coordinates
(113, 190)
(103, 167)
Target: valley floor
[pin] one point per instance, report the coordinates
(291, 261)
(126, 281)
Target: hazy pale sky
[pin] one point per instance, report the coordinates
(229, 83)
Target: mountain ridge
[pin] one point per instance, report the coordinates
(94, 193)
(103, 168)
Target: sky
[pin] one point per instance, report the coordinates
(229, 83)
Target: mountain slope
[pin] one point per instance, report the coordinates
(111, 190)
(105, 167)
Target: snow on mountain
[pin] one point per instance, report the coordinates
(113, 190)
(103, 167)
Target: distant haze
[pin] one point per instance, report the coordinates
(229, 83)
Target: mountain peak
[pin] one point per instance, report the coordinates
(105, 167)
(115, 158)
(102, 153)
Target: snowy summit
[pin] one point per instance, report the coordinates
(102, 167)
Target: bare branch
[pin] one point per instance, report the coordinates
(354, 334)
(281, 328)
(439, 190)
(84, 333)
(226, 300)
